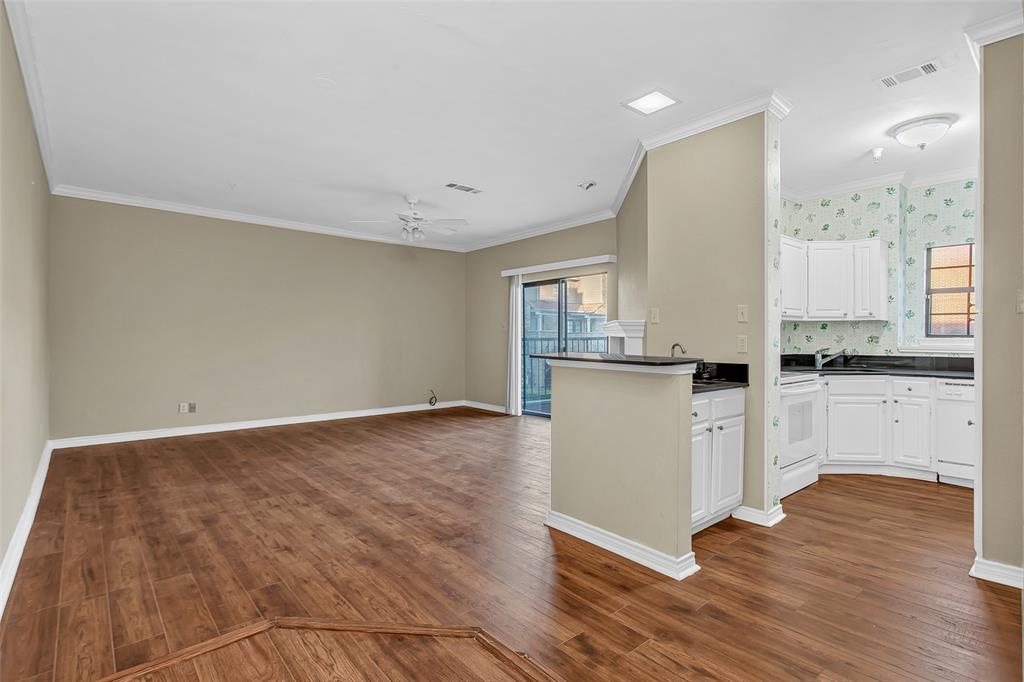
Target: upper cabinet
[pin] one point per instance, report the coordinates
(833, 280)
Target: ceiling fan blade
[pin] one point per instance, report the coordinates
(371, 221)
(449, 222)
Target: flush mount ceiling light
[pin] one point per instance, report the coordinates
(650, 103)
(924, 131)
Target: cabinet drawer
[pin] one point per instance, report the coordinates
(701, 410)
(851, 386)
(728, 404)
(918, 388)
(956, 390)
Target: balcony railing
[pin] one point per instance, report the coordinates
(537, 374)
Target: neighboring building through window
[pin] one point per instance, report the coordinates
(950, 291)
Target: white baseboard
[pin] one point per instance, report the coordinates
(125, 436)
(673, 567)
(762, 518)
(879, 470)
(953, 480)
(15, 548)
(485, 406)
(995, 572)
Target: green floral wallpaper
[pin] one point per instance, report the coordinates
(857, 215)
(937, 215)
(907, 220)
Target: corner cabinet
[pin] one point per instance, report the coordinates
(833, 280)
(716, 456)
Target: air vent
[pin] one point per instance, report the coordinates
(926, 69)
(464, 188)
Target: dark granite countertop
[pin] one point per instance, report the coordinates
(943, 367)
(707, 387)
(889, 371)
(618, 359)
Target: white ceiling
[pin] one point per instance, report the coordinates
(313, 115)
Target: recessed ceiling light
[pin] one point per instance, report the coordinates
(650, 103)
(921, 132)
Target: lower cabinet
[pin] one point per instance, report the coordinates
(956, 438)
(911, 431)
(858, 429)
(700, 454)
(727, 464)
(717, 457)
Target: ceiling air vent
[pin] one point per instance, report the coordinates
(464, 188)
(892, 80)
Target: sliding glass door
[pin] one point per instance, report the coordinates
(560, 315)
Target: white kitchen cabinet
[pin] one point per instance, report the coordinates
(701, 472)
(869, 296)
(793, 273)
(834, 280)
(829, 266)
(911, 432)
(727, 464)
(858, 429)
(956, 437)
(716, 456)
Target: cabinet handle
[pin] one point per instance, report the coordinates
(720, 427)
(694, 414)
(909, 388)
(708, 429)
(897, 421)
(895, 401)
(884, 401)
(970, 422)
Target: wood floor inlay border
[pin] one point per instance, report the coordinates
(515, 661)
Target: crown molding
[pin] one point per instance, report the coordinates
(996, 29)
(968, 173)
(546, 228)
(855, 186)
(631, 170)
(17, 17)
(991, 31)
(772, 102)
(202, 211)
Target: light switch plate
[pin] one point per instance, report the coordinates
(741, 343)
(742, 313)
(655, 315)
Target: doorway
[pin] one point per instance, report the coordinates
(564, 315)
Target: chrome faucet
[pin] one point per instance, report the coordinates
(682, 350)
(820, 359)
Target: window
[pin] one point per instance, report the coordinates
(950, 291)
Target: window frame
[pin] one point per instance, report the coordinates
(928, 291)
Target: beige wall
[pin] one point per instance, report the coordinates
(620, 454)
(150, 308)
(631, 225)
(706, 213)
(1001, 270)
(23, 349)
(486, 294)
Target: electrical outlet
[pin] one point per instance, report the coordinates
(182, 408)
(741, 343)
(655, 315)
(742, 313)
(192, 408)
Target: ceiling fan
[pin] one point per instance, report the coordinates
(415, 224)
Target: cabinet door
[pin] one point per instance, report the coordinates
(868, 281)
(858, 430)
(793, 271)
(828, 280)
(700, 477)
(727, 464)
(911, 431)
(955, 432)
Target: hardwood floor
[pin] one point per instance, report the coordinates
(140, 549)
